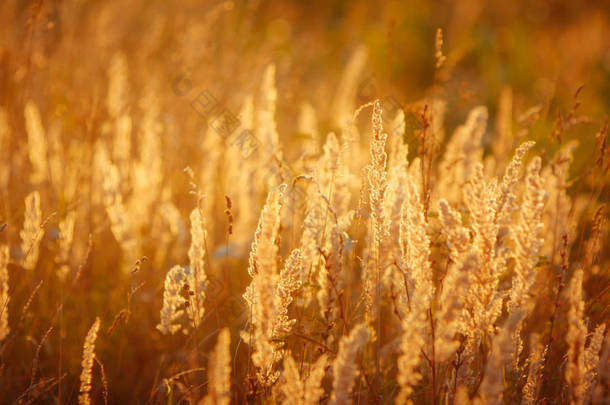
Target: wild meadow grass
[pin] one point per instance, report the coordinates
(228, 202)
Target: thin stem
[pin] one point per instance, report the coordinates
(432, 360)
(312, 340)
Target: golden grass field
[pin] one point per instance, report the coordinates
(214, 202)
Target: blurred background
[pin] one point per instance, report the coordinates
(544, 50)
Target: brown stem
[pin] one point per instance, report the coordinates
(404, 280)
(456, 365)
(557, 304)
(312, 340)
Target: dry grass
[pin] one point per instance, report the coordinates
(204, 229)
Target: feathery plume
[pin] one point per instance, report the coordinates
(526, 234)
(492, 387)
(506, 197)
(266, 127)
(219, 371)
(595, 242)
(325, 229)
(242, 180)
(438, 46)
(463, 152)
(293, 386)
(117, 107)
(4, 292)
(313, 384)
(330, 278)
(451, 305)
(575, 337)
(84, 395)
(260, 293)
(310, 240)
(345, 369)
(287, 284)
(120, 221)
(376, 173)
(172, 300)
(343, 102)
(66, 235)
(308, 125)
(303, 391)
(532, 385)
(377, 185)
(394, 198)
(557, 218)
(412, 340)
(458, 236)
(147, 171)
(415, 246)
(196, 277)
(37, 143)
(32, 233)
(214, 148)
(415, 249)
(484, 305)
(591, 360)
